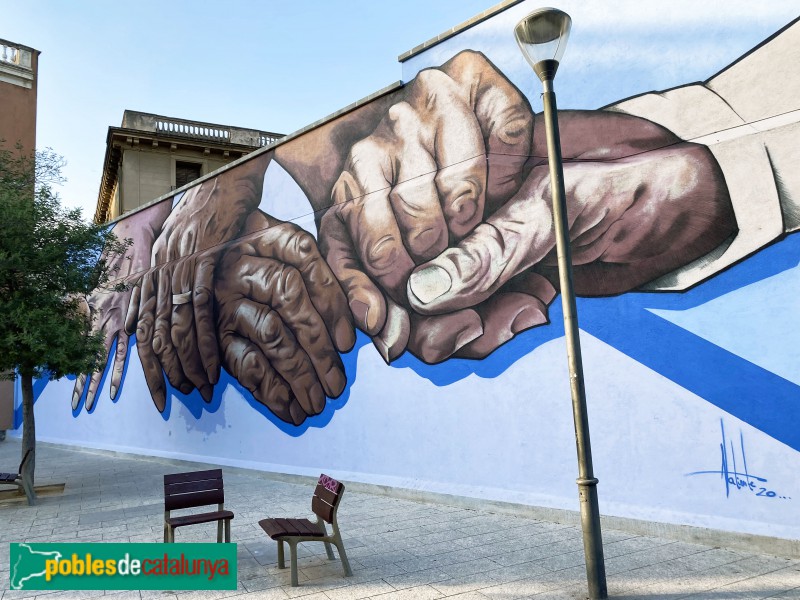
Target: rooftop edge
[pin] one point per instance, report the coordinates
(479, 18)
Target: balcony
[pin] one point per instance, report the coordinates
(197, 131)
(16, 64)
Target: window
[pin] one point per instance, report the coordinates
(186, 172)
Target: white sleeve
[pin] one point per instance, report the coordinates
(749, 117)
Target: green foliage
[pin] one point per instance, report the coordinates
(50, 260)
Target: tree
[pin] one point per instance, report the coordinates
(50, 261)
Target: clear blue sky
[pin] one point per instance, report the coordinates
(262, 64)
(282, 65)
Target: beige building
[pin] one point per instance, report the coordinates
(150, 155)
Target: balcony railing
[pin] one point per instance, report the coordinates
(181, 127)
(198, 130)
(16, 64)
(9, 54)
(266, 139)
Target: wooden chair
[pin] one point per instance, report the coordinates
(194, 490)
(16, 479)
(325, 505)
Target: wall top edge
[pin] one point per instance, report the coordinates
(479, 18)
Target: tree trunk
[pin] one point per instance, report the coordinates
(28, 438)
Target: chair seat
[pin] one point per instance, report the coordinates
(200, 518)
(276, 528)
(9, 477)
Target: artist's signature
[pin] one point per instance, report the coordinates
(732, 477)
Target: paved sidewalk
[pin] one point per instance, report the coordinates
(398, 549)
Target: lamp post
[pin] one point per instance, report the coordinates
(542, 37)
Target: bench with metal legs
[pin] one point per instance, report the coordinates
(17, 479)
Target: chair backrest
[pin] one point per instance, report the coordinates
(326, 498)
(189, 490)
(24, 458)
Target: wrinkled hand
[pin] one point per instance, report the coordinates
(630, 221)
(173, 315)
(108, 308)
(451, 152)
(282, 316)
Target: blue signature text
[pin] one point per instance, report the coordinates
(733, 471)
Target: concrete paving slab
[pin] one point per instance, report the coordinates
(399, 549)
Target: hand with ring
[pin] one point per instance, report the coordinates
(173, 315)
(276, 316)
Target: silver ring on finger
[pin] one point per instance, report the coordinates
(184, 298)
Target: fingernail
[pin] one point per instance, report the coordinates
(360, 311)
(298, 415)
(530, 317)
(213, 375)
(344, 335)
(317, 396)
(89, 400)
(335, 381)
(430, 283)
(465, 337)
(382, 348)
(75, 399)
(113, 391)
(186, 388)
(206, 392)
(396, 350)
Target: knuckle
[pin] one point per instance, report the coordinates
(301, 243)
(144, 330)
(159, 343)
(252, 366)
(468, 57)
(429, 77)
(291, 280)
(383, 254)
(401, 114)
(269, 327)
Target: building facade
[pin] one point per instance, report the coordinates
(151, 155)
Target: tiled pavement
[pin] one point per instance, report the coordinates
(398, 549)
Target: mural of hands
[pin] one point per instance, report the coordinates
(265, 306)
(449, 153)
(282, 319)
(174, 313)
(109, 309)
(439, 240)
(442, 232)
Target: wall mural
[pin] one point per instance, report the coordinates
(429, 234)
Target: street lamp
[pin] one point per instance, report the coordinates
(542, 37)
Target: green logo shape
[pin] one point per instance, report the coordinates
(122, 566)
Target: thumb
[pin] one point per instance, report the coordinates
(515, 238)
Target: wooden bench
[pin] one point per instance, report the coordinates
(195, 490)
(17, 480)
(325, 505)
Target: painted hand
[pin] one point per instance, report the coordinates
(282, 317)
(450, 152)
(174, 314)
(631, 220)
(108, 308)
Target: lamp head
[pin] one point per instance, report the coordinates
(542, 37)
